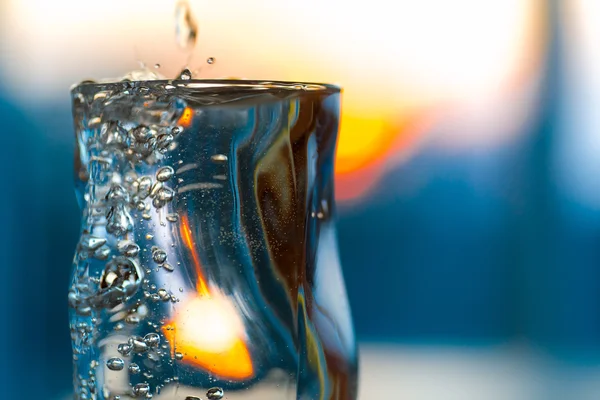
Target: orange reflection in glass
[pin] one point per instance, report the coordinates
(186, 117)
(207, 329)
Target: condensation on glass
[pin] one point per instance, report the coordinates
(207, 266)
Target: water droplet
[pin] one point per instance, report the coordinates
(186, 29)
(215, 393)
(192, 398)
(141, 389)
(176, 130)
(115, 364)
(157, 65)
(138, 345)
(172, 217)
(152, 339)
(124, 349)
(149, 236)
(168, 267)
(181, 289)
(159, 256)
(165, 173)
(146, 216)
(134, 368)
(185, 75)
(210, 60)
(218, 158)
(128, 248)
(178, 356)
(119, 326)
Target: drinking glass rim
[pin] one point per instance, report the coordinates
(206, 85)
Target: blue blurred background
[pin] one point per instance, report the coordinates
(467, 179)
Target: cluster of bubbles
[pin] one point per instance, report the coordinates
(112, 285)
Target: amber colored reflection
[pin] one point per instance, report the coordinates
(186, 117)
(207, 329)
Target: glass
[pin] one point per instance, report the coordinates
(208, 264)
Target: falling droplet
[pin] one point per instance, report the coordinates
(215, 393)
(210, 60)
(115, 364)
(185, 75)
(186, 28)
(164, 173)
(134, 368)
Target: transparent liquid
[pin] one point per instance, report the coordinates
(207, 266)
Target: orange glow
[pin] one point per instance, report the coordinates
(186, 118)
(207, 329)
(209, 334)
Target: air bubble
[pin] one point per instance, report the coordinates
(165, 173)
(138, 345)
(165, 194)
(115, 364)
(218, 158)
(128, 248)
(102, 253)
(158, 255)
(141, 389)
(132, 320)
(124, 349)
(215, 393)
(172, 217)
(144, 186)
(134, 368)
(117, 195)
(118, 220)
(152, 339)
